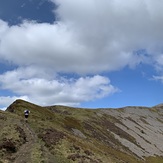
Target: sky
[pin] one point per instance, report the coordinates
(80, 53)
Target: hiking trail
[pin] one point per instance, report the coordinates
(32, 151)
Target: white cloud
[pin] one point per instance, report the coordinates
(7, 100)
(89, 37)
(116, 28)
(158, 78)
(3, 28)
(55, 91)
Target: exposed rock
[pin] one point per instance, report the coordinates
(78, 133)
(144, 126)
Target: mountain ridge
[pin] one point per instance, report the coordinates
(76, 135)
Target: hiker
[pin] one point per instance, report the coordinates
(26, 113)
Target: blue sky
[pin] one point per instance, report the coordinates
(91, 54)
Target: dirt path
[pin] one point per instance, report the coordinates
(24, 153)
(32, 151)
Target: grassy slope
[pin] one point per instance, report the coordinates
(63, 134)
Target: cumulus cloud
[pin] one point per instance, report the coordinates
(6, 100)
(55, 91)
(97, 35)
(116, 28)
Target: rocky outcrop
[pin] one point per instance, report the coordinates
(145, 125)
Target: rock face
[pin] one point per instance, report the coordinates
(64, 134)
(145, 125)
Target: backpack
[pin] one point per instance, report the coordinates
(26, 112)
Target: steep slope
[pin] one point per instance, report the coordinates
(18, 141)
(60, 134)
(145, 125)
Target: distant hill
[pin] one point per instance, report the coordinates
(61, 134)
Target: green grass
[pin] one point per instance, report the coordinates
(48, 123)
(156, 159)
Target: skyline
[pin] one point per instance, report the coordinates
(94, 54)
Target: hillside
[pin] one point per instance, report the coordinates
(60, 134)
